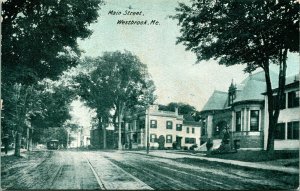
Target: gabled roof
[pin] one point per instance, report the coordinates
(216, 101)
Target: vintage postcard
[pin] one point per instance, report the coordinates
(150, 94)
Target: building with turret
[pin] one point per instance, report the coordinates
(243, 112)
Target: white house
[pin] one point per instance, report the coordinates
(153, 123)
(287, 130)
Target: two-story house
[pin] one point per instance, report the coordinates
(149, 125)
(287, 130)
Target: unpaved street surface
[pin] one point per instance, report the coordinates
(128, 170)
(49, 170)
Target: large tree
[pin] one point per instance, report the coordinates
(39, 38)
(35, 107)
(24, 101)
(54, 110)
(189, 112)
(256, 33)
(119, 82)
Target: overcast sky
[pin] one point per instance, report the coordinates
(173, 69)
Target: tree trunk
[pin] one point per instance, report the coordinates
(30, 140)
(120, 114)
(104, 137)
(102, 126)
(274, 111)
(270, 141)
(18, 144)
(27, 138)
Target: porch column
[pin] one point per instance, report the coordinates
(134, 125)
(209, 126)
(243, 119)
(247, 119)
(266, 126)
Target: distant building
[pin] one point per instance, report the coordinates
(101, 139)
(242, 111)
(168, 124)
(73, 139)
(85, 137)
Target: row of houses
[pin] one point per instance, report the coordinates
(148, 127)
(242, 111)
(155, 123)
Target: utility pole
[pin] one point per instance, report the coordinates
(147, 130)
(120, 127)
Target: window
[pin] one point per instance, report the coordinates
(193, 130)
(238, 123)
(187, 130)
(280, 131)
(282, 104)
(169, 124)
(293, 130)
(129, 127)
(293, 99)
(142, 124)
(153, 124)
(169, 139)
(152, 138)
(134, 138)
(178, 127)
(254, 120)
(190, 140)
(216, 131)
(203, 130)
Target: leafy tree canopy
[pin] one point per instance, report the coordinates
(55, 103)
(256, 33)
(189, 112)
(119, 81)
(39, 38)
(237, 31)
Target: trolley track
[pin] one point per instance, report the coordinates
(70, 170)
(99, 181)
(169, 174)
(155, 179)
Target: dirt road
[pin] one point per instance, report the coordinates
(126, 170)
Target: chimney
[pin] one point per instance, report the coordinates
(176, 110)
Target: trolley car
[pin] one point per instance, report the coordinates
(52, 145)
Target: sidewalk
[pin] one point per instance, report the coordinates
(261, 166)
(11, 152)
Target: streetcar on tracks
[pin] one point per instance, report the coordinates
(53, 144)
